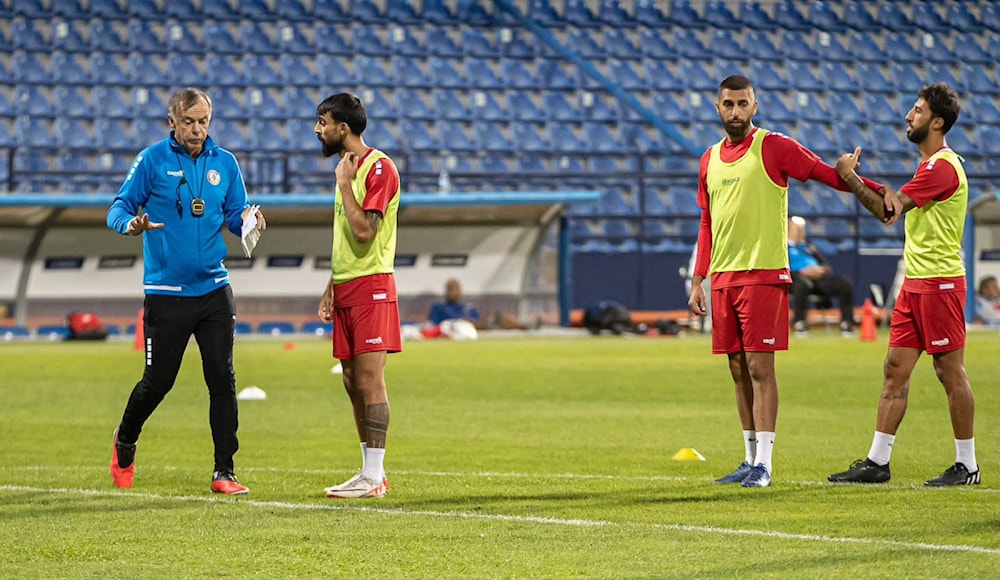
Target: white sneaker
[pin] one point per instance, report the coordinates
(359, 486)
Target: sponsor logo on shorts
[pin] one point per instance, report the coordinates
(770, 341)
(942, 342)
(380, 296)
(948, 286)
(376, 340)
(783, 276)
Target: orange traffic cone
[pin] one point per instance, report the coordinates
(140, 335)
(868, 331)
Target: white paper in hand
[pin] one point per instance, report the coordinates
(250, 232)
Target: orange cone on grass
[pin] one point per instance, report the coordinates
(140, 335)
(868, 331)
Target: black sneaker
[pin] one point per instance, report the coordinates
(862, 471)
(957, 474)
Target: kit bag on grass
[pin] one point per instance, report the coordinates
(85, 326)
(607, 315)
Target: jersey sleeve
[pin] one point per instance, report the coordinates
(934, 181)
(132, 195)
(785, 157)
(704, 254)
(382, 183)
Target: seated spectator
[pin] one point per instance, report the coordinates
(812, 275)
(988, 301)
(443, 315)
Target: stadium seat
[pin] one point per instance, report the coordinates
(218, 40)
(623, 73)
(142, 38)
(968, 50)
(528, 138)
(862, 47)
(438, 12)
(796, 48)
(182, 10)
(482, 105)
(265, 135)
(479, 74)
(841, 105)
(787, 16)
(417, 135)
(759, 47)
(146, 103)
(475, 44)
(552, 74)
(522, 107)
(577, 13)
(147, 131)
(959, 16)
(770, 108)
(452, 134)
(978, 80)
(858, 18)
(365, 40)
(293, 10)
(402, 12)
(814, 136)
(516, 75)
(328, 40)
(147, 10)
(666, 107)
(848, 135)
(25, 36)
(684, 14)
(939, 73)
(182, 70)
(692, 75)
(925, 17)
(726, 46)
(581, 42)
(181, 38)
(104, 37)
(511, 44)
(993, 44)
(886, 139)
(648, 14)
(108, 102)
(878, 109)
(377, 103)
(659, 76)
(256, 11)
(410, 105)
(493, 164)
(594, 107)
(617, 45)
(296, 102)
(447, 105)
(223, 71)
(257, 40)
(654, 46)
(27, 68)
(983, 109)
(113, 134)
(70, 9)
(490, 136)
(262, 103)
(31, 100)
(104, 70)
(543, 13)
(688, 45)
(71, 102)
(824, 17)
(838, 77)
(871, 76)
(14, 332)
(401, 41)
(67, 70)
(987, 139)
(905, 78)
(829, 48)
(599, 137)
(958, 140)
(611, 13)
(143, 69)
(720, 17)
(226, 105)
(331, 66)
(891, 16)
(219, 10)
(107, 10)
(257, 71)
(755, 17)
(801, 76)
(66, 37)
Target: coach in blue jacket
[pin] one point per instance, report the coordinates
(179, 194)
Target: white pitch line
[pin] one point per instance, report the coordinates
(509, 518)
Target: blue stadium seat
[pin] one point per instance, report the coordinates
(297, 102)
(667, 108)
(452, 135)
(862, 47)
(807, 106)
(256, 39)
(365, 40)
(147, 131)
(871, 76)
(841, 105)
(474, 43)
(759, 47)
(959, 141)
(104, 37)
(968, 50)
(31, 100)
(256, 10)
(617, 45)
(878, 109)
(983, 109)
(104, 70)
(654, 45)
(242, 328)
(447, 105)
(403, 42)
(659, 76)
(886, 139)
(491, 136)
(223, 71)
(293, 10)
(226, 105)
(516, 75)
(482, 105)
(960, 17)
(479, 74)
(978, 80)
(180, 38)
(582, 43)
(143, 69)
(219, 10)
(719, 16)
(530, 164)
(689, 45)
(801, 76)
(829, 48)
(611, 13)
(692, 75)
(71, 102)
(684, 14)
(770, 108)
(726, 46)
(218, 40)
(410, 105)
(493, 164)
(824, 17)
(182, 10)
(522, 107)
(142, 38)
(257, 71)
(329, 11)
(648, 14)
(300, 136)
(70, 9)
(438, 12)
(329, 41)
(814, 136)
(108, 102)
(14, 332)
(183, 70)
(443, 74)
(625, 75)
(401, 11)
(577, 13)
(107, 10)
(27, 68)
(543, 13)
(26, 161)
(265, 135)
(927, 18)
(599, 137)
(378, 104)
(228, 134)
(67, 70)
(25, 36)
(416, 135)
(787, 16)
(905, 78)
(857, 17)
(595, 107)
(993, 44)
(332, 66)
(407, 72)
(146, 103)
(754, 17)
(113, 134)
(511, 44)
(144, 10)
(848, 135)
(796, 48)
(987, 138)
(528, 138)
(317, 328)
(261, 103)
(838, 77)
(891, 16)
(66, 36)
(555, 106)
(939, 73)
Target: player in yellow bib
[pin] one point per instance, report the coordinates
(360, 298)
(930, 310)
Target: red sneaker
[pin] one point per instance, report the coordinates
(120, 453)
(225, 482)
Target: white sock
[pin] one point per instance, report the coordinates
(765, 446)
(750, 444)
(881, 448)
(965, 453)
(364, 454)
(373, 464)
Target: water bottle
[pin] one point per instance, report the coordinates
(444, 181)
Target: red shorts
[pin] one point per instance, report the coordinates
(929, 322)
(750, 318)
(366, 328)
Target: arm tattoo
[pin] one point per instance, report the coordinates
(871, 200)
(374, 219)
(376, 424)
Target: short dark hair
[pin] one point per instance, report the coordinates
(345, 108)
(943, 101)
(184, 99)
(735, 83)
(984, 281)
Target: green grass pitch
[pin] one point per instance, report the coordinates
(541, 457)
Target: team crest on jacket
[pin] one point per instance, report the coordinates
(213, 177)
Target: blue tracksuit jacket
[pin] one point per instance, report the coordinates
(185, 257)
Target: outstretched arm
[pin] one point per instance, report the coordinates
(887, 205)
